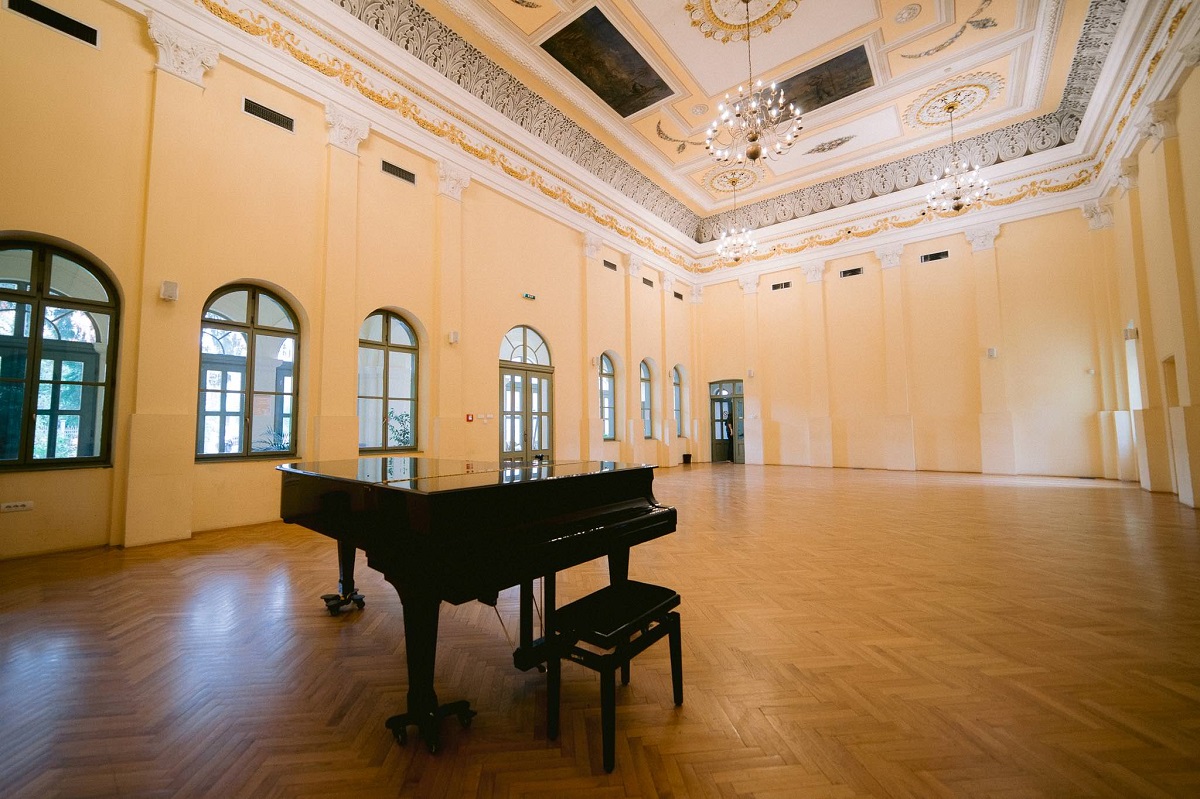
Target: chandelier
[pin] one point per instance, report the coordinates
(754, 124)
(960, 186)
(736, 243)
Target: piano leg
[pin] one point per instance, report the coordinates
(420, 646)
(346, 593)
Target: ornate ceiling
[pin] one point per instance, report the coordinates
(644, 78)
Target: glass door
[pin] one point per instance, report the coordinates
(727, 411)
(525, 415)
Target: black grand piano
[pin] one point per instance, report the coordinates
(449, 530)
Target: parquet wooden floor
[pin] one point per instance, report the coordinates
(846, 633)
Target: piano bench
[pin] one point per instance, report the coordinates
(623, 619)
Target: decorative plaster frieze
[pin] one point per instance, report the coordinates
(814, 273)
(749, 284)
(1098, 214)
(181, 52)
(668, 283)
(889, 255)
(1191, 52)
(982, 237)
(346, 130)
(697, 294)
(1159, 121)
(452, 179)
(592, 245)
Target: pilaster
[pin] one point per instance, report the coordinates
(997, 444)
(752, 422)
(449, 434)
(820, 425)
(900, 452)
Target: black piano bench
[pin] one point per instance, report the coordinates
(624, 620)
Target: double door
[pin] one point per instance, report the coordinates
(525, 414)
(727, 416)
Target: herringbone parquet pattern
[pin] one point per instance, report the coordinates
(846, 633)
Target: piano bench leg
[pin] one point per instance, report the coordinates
(335, 603)
(427, 724)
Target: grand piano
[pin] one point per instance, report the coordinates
(454, 531)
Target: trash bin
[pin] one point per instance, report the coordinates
(687, 459)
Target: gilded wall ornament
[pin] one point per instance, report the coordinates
(728, 179)
(725, 20)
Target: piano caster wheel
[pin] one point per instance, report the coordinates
(465, 716)
(334, 603)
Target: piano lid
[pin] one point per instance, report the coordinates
(436, 475)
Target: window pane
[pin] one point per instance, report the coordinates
(272, 362)
(370, 372)
(69, 279)
(66, 439)
(545, 431)
(401, 334)
(41, 436)
(400, 423)
(270, 427)
(12, 395)
(72, 371)
(232, 439)
(216, 341)
(231, 307)
(272, 314)
(66, 324)
(212, 435)
(401, 379)
(370, 423)
(14, 325)
(233, 381)
(233, 403)
(45, 395)
(212, 401)
(372, 328)
(16, 269)
(70, 397)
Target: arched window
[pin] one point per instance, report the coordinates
(387, 383)
(526, 397)
(647, 404)
(58, 321)
(677, 399)
(608, 398)
(249, 344)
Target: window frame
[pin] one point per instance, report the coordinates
(677, 399)
(251, 328)
(38, 297)
(608, 412)
(646, 385)
(387, 347)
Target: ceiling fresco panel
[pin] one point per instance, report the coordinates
(836, 79)
(594, 51)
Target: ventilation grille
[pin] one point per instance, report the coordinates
(60, 22)
(610, 265)
(399, 172)
(648, 282)
(934, 256)
(269, 115)
(851, 272)
(678, 296)
(787, 284)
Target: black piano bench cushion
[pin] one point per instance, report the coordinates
(607, 617)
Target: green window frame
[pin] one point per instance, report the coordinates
(677, 400)
(608, 398)
(647, 400)
(387, 383)
(59, 317)
(248, 385)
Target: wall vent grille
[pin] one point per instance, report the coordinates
(648, 282)
(678, 296)
(269, 115)
(56, 20)
(399, 172)
(610, 265)
(934, 256)
(787, 284)
(851, 272)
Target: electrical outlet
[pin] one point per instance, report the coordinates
(11, 507)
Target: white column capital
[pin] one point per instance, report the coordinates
(1159, 121)
(668, 282)
(749, 284)
(635, 265)
(346, 130)
(889, 255)
(592, 245)
(1191, 52)
(982, 237)
(1098, 214)
(180, 51)
(697, 294)
(814, 273)
(452, 179)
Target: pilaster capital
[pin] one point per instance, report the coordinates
(749, 284)
(1128, 178)
(635, 265)
(1159, 122)
(1191, 52)
(180, 51)
(697, 294)
(668, 282)
(814, 273)
(1098, 214)
(452, 179)
(889, 255)
(346, 130)
(982, 237)
(592, 245)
